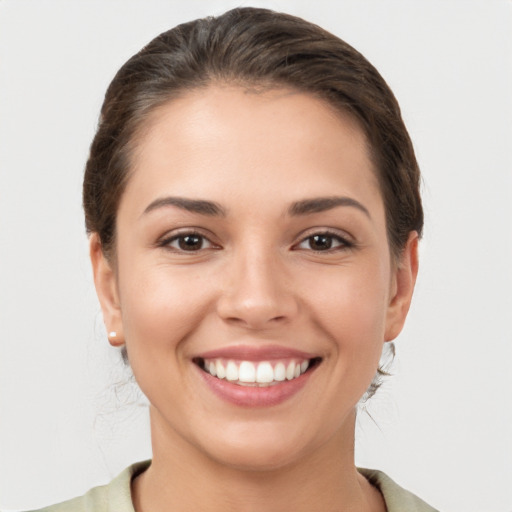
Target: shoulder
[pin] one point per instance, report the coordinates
(397, 498)
(113, 497)
(116, 496)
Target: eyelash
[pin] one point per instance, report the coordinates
(342, 242)
(180, 237)
(332, 238)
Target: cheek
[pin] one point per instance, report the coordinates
(351, 305)
(160, 309)
(161, 312)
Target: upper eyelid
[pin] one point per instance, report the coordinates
(192, 230)
(338, 233)
(345, 240)
(210, 237)
(166, 243)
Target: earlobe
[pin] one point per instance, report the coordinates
(114, 339)
(105, 282)
(404, 280)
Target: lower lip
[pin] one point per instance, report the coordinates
(255, 396)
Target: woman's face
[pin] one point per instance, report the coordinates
(251, 245)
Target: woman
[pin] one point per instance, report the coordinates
(252, 201)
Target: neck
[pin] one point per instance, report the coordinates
(182, 478)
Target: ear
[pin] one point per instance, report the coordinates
(105, 282)
(402, 287)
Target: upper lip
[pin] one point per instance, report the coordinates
(256, 353)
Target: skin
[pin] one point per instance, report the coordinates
(257, 280)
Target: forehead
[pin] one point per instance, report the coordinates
(221, 137)
(284, 111)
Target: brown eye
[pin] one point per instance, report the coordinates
(188, 242)
(320, 242)
(324, 242)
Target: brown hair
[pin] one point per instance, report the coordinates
(251, 47)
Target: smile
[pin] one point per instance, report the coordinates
(256, 374)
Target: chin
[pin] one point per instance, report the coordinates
(263, 447)
(255, 457)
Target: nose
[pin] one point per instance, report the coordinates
(258, 292)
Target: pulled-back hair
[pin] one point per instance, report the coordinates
(252, 48)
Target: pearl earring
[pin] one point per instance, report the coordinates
(115, 340)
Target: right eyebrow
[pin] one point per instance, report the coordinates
(322, 204)
(200, 206)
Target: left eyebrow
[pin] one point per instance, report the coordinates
(322, 204)
(199, 206)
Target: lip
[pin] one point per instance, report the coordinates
(254, 396)
(248, 396)
(256, 353)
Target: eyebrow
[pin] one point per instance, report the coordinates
(321, 204)
(210, 208)
(200, 206)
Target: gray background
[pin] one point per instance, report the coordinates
(443, 422)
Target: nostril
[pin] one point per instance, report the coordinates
(253, 320)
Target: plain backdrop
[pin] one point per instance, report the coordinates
(442, 425)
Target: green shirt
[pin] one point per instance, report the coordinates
(116, 496)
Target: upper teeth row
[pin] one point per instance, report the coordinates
(249, 372)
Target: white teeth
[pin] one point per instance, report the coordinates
(247, 372)
(279, 372)
(290, 371)
(251, 373)
(221, 372)
(265, 373)
(232, 371)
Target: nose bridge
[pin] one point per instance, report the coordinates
(256, 291)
